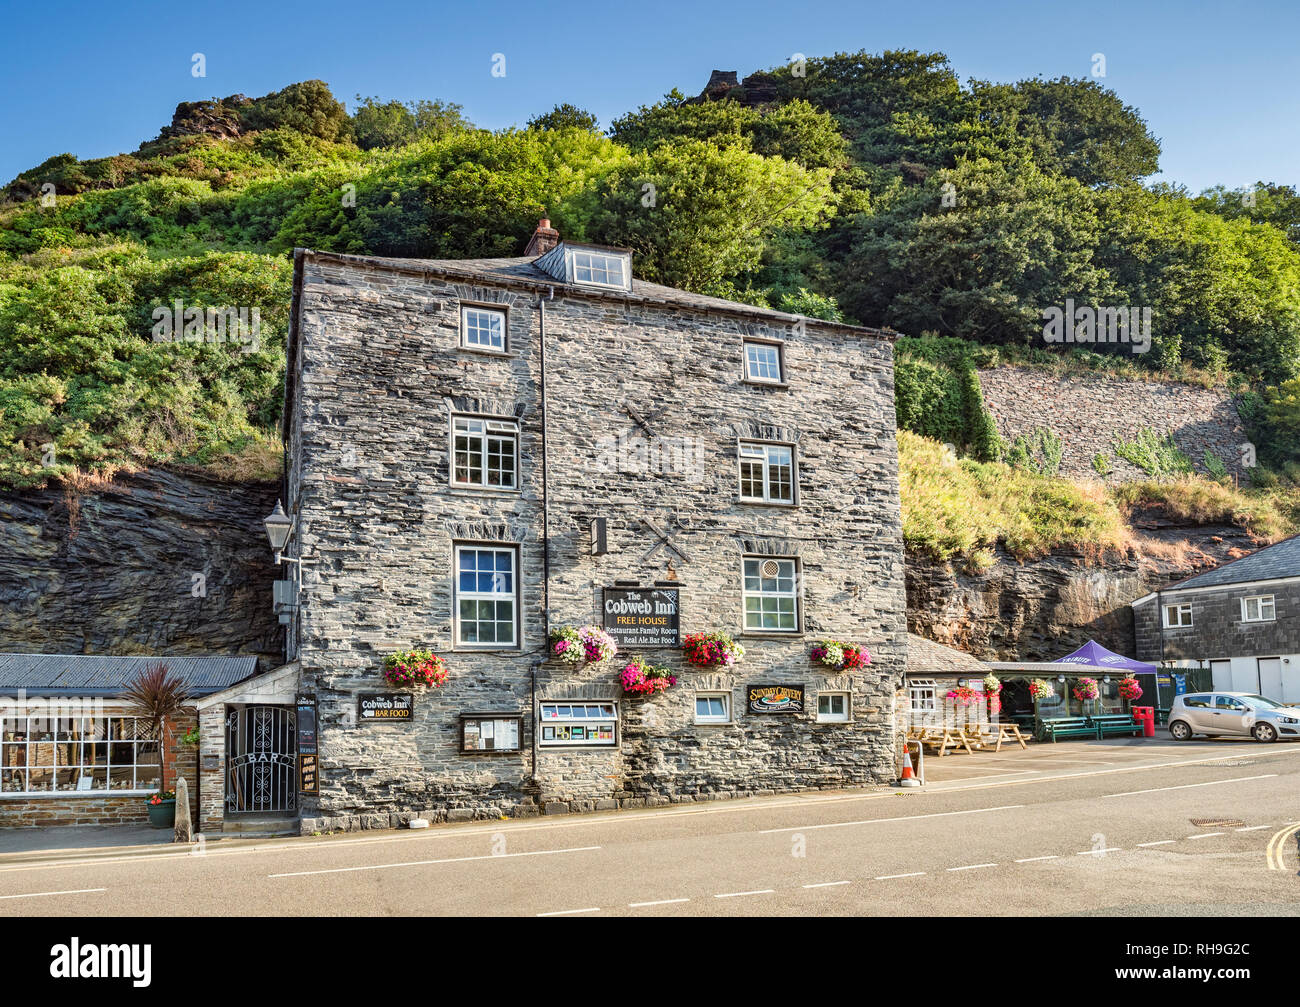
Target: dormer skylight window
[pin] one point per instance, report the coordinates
(588, 265)
(599, 268)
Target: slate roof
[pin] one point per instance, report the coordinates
(103, 675)
(522, 271)
(926, 657)
(1273, 562)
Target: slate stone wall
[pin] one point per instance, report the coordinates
(380, 373)
(1089, 412)
(1217, 629)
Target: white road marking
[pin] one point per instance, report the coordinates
(1159, 842)
(971, 867)
(736, 895)
(1253, 828)
(1105, 849)
(1030, 860)
(1206, 835)
(37, 895)
(570, 912)
(878, 821)
(826, 884)
(1189, 786)
(424, 863)
(891, 877)
(660, 902)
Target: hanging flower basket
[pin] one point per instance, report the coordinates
(840, 655)
(712, 650)
(1129, 688)
(963, 695)
(583, 645)
(1041, 688)
(1085, 689)
(641, 678)
(415, 667)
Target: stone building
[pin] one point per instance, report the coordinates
(481, 452)
(1240, 620)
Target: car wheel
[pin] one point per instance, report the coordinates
(1181, 730)
(1264, 732)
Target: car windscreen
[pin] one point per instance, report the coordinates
(1263, 701)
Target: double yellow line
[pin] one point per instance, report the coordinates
(1277, 846)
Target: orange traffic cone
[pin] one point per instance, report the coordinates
(908, 779)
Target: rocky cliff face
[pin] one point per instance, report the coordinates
(1040, 610)
(154, 562)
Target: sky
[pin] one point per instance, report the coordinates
(1214, 81)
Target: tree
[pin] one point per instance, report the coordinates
(309, 107)
(395, 124)
(564, 116)
(156, 695)
(1263, 203)
(698, 216)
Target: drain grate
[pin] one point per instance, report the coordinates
(1204, 823)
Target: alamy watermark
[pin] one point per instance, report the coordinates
(1090, 324)
(241, 326)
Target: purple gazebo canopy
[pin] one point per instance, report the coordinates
(1094, 655)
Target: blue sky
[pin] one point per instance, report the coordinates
(1215, 81)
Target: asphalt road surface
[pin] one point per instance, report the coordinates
(1090, 828)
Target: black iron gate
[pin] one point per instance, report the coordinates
(261, 759)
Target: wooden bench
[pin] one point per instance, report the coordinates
(941, 739)
(1068, 727)
(1116, 723)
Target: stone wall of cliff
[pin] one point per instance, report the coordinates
(151, 563)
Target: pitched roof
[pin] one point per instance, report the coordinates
(105, 675)
(1273, 562)
(925, 656)
(521, 271)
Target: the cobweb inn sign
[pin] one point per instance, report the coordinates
(642, 617)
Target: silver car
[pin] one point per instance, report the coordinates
(1232, 714)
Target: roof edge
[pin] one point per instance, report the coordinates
(731, 307)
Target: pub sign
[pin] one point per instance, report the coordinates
(775, 698)
(377, 707)
(642, 616)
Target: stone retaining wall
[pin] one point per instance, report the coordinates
(1089, 412)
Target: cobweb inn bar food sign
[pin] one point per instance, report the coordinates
(642, 617)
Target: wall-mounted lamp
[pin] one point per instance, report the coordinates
(599, 536)
(279, 526)
(1061, 679)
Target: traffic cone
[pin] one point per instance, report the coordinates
(908, 779)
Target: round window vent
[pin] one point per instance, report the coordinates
(771, 568)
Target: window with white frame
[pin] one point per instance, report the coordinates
(763, 362)
(1260, 608)
(487, 596)
(832, 707)
(483, 328)
(713, 708)
(602, 269)
(485, 452)
(766, 472)
(577, 722)
(771, 595)
(77, 755)
(922, 696)
(1178, 616)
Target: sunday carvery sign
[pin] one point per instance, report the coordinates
(775, 699)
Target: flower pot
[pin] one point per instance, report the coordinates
(163, 814)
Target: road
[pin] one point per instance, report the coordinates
(1091, 828)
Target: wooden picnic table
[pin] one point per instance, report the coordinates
(943, 738)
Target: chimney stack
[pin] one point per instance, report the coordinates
(544, 238)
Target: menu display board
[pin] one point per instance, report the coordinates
(490, 732)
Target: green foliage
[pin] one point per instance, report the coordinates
(306, 107)
(928, 400)
(1038, 452)
(811, 305)
(564, 116)
(1159, 457)
(1214, 465)
(395, 124)
(1101, 464)
(676, 206)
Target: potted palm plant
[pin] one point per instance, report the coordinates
(157, 695)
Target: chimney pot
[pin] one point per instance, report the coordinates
(544, 238)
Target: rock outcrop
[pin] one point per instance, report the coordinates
(155, 562)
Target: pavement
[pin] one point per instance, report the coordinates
(1112, 828)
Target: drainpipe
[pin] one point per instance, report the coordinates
(546, 506)
(1160, 625)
